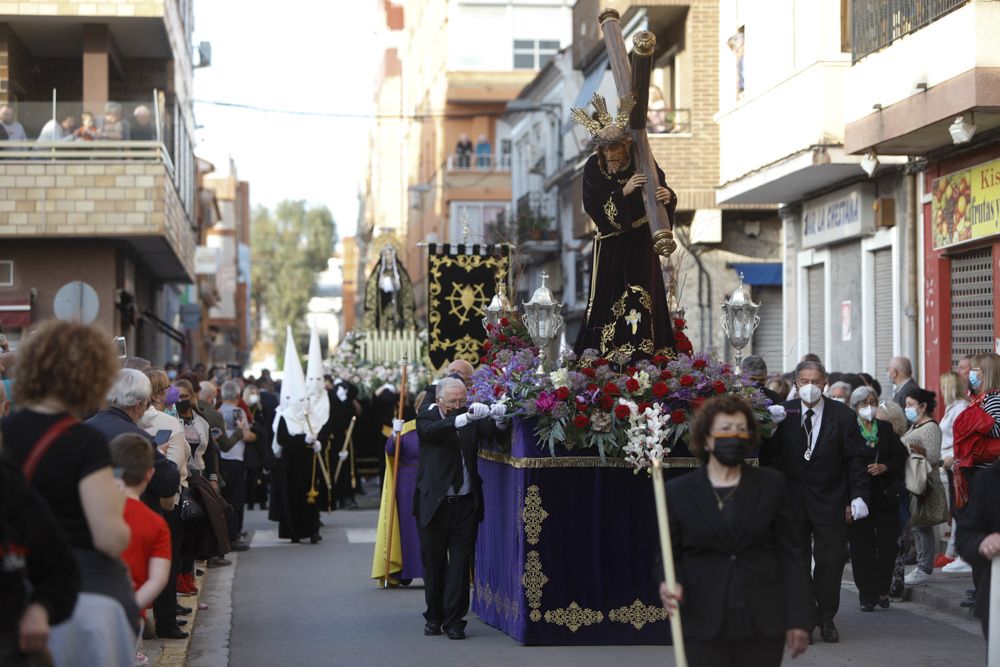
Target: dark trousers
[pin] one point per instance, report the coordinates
(873, 553)
(165, 604)
(827, 545)
(234, 493)
(256, 491)
(447, 547)
(757, 651)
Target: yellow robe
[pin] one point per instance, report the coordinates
(388, 504)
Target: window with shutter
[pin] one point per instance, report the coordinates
(883, 310)
(816, 310)
(768, 341)
(971, 303)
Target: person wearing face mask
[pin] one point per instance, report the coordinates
(741, 578)
(900, 374)
(820, 449)
(253, 456)
(923, 438)
(840, 391)
(873, 540)
(448, 500)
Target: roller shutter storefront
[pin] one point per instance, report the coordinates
(816, 310)
(971, 303)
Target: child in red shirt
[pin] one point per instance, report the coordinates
(148, 553)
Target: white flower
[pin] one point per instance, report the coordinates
(560, 377)
(642, 377)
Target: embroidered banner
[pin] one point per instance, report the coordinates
(460, 283)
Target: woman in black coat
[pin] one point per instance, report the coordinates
(741, 582)
(873, 540)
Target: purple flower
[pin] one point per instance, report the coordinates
(545, 402)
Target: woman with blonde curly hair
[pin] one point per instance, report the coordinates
(64, 372)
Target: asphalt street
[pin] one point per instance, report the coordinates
(316, 605)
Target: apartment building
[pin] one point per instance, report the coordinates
(924, 84)
(98, 225)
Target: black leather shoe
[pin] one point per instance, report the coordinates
(172, 633)
(828, 631)
(316, 539)
(884, 602)
(456, 633)
(181, 610)
(867, 607)
(432, 629)
(199, 573)
(181, 622)
(239, 546)
(968, 604)
(971, 592)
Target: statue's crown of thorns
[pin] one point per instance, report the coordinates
(605, 128)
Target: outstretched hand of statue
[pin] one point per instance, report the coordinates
(631, 185)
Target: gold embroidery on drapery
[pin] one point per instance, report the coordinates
(638, 614)
(533, 581)
(611, 211)
(573, 617)
(533, 514)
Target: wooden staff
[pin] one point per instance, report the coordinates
(395, 476)
(347, 442)
(645, 42)
(667, 552)
(322, 466)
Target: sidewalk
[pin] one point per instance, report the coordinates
(174, 652)
(943, 593)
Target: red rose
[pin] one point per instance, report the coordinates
(581, 421)
(591, 387)
(622, 412)
(600, 362)
(660, 389)
(666, 375)
(659, 360)
(678, 416)
(562, 393)
(697, 402)
(687, 380)
(502, 338)
(611, 389)
(607, 402)
(684, 343)
(699, 364)
(581, 405)
(643, 406)
(504, 322)
(631, 370)
(632, 384)
(498, 390)
(719, 386)
(589, 372)
(680, 324)
(491, 327)
(487, 346)
(484, 360)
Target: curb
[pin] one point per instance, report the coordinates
(934, 595)
(174, 652)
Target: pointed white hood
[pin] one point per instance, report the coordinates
(293, 391)
(319, 400)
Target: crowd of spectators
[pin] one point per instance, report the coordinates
(114, 124)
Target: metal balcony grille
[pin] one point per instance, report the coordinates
(876, 24)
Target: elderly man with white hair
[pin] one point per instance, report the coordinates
(840, 391)
(127, 402)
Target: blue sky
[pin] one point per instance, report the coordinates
(301, 55)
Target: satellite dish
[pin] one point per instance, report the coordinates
(76, 302)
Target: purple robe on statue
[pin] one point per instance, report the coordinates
(406, 484)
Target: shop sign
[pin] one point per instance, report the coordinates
(837, 217)
(965, 205)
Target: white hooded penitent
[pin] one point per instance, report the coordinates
(318, 411)
(293, 391)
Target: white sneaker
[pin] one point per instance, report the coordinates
(957, 566)
(916, 577)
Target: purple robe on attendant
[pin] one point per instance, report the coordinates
(406, 484)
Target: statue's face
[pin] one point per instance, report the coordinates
(617, 156)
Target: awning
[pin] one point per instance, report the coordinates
(15, 313)
(768, 273)
(590, 85)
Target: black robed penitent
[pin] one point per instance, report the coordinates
(627, 311)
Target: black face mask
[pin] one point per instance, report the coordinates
(454, 412)
(730, 451)
(183, 406)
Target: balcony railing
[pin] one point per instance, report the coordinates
(668, 121)
(479, 162)
(876, 24)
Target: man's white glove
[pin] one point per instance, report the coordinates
(859, 509)
(478, 411)
(778, 413)
(310, 438)
(498, 410)
(276, 448)
(342, 455)
(317, 446)
(397, 426)
(342, 394)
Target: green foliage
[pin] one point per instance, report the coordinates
(290, 246)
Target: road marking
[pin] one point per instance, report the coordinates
(361, 535)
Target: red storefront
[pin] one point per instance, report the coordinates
(961, 248)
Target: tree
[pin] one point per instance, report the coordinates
(289, 248)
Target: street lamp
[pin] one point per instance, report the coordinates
(543, 319)
(740, 318)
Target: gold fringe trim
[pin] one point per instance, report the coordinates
(580, 461)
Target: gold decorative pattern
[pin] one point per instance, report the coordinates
(604, 118)
(584, 461)
(611, 211)
(573, 617)
(533, 581)
(644, 42)
(638, 614)
(533, 515)
(466, 300)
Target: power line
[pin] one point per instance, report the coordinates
(345, 115)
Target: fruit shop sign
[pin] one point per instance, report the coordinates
(965, 205)
(838, 216)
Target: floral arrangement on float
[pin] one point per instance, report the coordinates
(348, 363)
(635, 410)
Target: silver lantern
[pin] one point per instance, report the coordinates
(740, 318)
(499, 307)
(543, 319)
